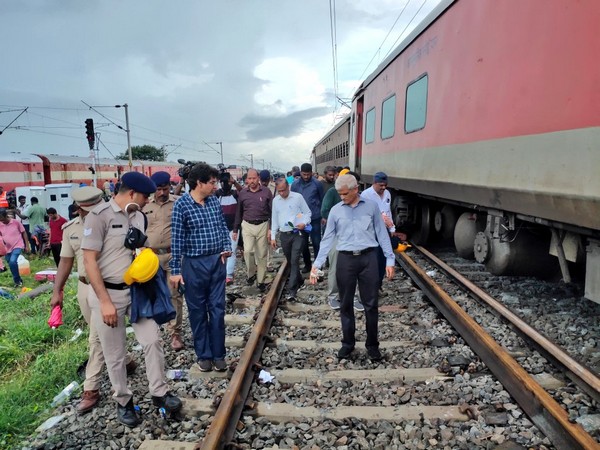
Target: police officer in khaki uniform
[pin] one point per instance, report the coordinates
(111, 232)
(158, 211)
(86, 199)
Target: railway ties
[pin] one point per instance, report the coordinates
(430, 390)
(300, 354)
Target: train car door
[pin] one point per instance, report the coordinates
(356, 134)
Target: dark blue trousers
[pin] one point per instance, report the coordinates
(364, 270)
(204, 278)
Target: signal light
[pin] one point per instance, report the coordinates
(89, 131)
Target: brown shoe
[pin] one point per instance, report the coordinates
(89, 399)
(177, 343)
(130, 367)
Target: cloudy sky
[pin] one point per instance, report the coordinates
(256, 75)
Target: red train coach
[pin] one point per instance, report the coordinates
(17, 169)
(485, 120)
(38, 170)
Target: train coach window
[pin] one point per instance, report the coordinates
(370, 126)
(388, 117)
(416, 105)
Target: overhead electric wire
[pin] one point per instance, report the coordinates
(383, 42)
(333, 30)
(405, 28)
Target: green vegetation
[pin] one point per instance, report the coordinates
(36, 362)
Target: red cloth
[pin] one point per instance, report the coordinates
(55, 319)
(56, 232)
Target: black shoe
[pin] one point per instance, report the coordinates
(127, 414)
(251, 280)
(374, 354)
(262, 287)
(170, 402)
(344, 352)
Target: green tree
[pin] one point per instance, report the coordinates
(145, 153)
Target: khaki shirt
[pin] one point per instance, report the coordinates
(71, 243)
(159, 223)
(104, 231)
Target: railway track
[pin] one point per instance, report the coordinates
(431, 390)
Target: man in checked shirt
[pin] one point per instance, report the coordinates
(200, 246)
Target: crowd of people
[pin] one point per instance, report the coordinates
(195, 237)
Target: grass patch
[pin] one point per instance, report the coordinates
(36, 362)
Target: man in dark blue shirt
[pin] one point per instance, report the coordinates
(200, 246)
(312, 191)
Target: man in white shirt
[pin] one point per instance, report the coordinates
(290, 216)
(382, 197)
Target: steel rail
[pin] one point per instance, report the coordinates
(541, 408)
(584, 377)
(222, 427)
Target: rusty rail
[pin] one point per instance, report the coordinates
(584, 377)
(542, 409)
(222, 427)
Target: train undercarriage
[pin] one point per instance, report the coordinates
(506, 243)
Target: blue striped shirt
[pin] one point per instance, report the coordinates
(197, 230)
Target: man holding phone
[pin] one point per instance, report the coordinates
(200, 246)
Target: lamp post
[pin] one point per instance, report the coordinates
(124, 105)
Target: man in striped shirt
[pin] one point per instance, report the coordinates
(200, 246)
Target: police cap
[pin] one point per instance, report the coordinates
(139, 182)
(87, 197)
(161, 178)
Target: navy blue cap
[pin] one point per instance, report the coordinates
(265, 175)
(161, 178)
(139, 182)
(380, 177)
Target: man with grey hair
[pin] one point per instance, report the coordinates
(360, 230)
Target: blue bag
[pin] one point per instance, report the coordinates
(152, 300)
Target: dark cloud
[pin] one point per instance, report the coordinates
(263, 127)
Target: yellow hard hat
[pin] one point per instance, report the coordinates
(402, 246)
(143, 268)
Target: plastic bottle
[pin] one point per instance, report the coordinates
(176, 374)
(65, 393)
(23, 264)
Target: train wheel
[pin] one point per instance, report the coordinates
(523, 253)
(467, 227)
(444, 222)
(424, 226)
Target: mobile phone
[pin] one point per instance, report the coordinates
(181, 288)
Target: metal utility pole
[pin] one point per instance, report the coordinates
(220, 151)
(128, 136)
(251, 156)
(95, 152)
(125, 105)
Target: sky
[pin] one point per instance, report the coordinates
(255, 75)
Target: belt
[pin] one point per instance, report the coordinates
(84, 280)
(256, 222)
(357, 252)
(116, 286)
(162, 251)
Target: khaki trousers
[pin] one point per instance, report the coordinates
(255, 249)
(95, 364)
(174, 326)
(114, 346)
